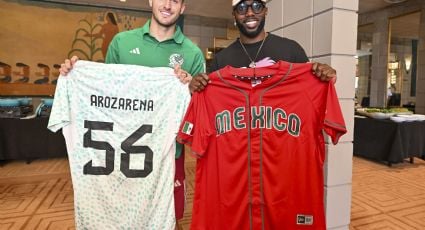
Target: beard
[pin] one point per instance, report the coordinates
(254, 33)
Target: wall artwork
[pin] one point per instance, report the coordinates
(35, 37)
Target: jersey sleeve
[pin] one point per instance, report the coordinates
(60, 113)
(194, 129)
(334, 124)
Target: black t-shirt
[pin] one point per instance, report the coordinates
(274, 49)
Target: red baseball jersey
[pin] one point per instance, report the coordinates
(258, 136)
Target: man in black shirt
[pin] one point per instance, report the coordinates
(256, 48)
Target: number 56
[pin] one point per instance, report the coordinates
(126, 145)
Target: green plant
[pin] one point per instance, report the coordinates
(84, 38)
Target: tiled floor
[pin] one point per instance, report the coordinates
(39, 195)
(36, 196)
(388, 197)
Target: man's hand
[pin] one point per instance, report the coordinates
(67, 65)
(182, 75)
(199, 82)
(324, 72)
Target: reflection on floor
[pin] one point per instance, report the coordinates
(39, 195)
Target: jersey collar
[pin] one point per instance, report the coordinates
(280, 71)
(178, 36)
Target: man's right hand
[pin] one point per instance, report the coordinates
(199, 82)
(67, 65)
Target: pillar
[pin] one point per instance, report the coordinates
(327, 30)
(378, 83)
(420, 76)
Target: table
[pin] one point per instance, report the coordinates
(27, 139)
(389, 141)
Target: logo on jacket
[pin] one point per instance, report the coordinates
(135, 51)
(304, 219)
(175, 59)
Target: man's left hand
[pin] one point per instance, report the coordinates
(324, 72)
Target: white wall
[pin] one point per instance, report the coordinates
(327, 30)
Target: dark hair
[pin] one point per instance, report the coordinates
(111, 17)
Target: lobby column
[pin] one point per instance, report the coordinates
(327, 30)
(420, 76)
(378, 83)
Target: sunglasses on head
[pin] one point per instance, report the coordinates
(256, 7)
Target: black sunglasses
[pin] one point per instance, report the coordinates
(256, 7)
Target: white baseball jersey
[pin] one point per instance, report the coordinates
(120, 123)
